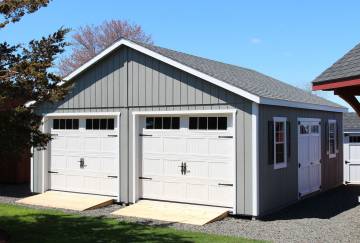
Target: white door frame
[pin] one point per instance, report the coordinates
(46, 152)
(135, 150)
(303, 119)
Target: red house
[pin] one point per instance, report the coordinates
(343, 77)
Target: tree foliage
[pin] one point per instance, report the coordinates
(26, 75)
(14, 10)
(89, 40)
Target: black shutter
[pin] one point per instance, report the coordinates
(271, 142)
(288, 139)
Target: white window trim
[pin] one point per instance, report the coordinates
(331, 156)
(282, 164)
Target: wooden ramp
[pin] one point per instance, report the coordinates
(173, 212)
(67, 200)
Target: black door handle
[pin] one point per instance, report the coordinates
(182, 168)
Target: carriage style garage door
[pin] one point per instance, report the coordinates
(84, 155)
(352, 158)
(309, 156)
(188, 159)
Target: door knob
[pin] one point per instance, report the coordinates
(185, 169)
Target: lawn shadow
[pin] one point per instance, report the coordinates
(323, 206)
(44, 227)
(15, 190)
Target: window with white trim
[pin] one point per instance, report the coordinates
(280, 142)
(332, 138)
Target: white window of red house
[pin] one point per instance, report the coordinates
(280, 148)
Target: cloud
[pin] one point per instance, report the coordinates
(255, 40)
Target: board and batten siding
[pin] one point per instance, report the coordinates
(279, 188)
(128, 81)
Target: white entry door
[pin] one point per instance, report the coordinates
(84, 156)
(192, 162)
(309, 156)
(352, 158)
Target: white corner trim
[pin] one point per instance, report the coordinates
(32, 169)
(255, 158)
(167, 60)
(286, 103)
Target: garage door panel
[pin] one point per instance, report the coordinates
(197, 169)
(220, 170)
(58, 143)
(58, 162)
(354, 172)
(152, 189)
(174, 190)
(174, 145)
(109, 144)
(197, 146)
(354, 152)
(152, 166)
(92, 144)
(152, 144)
(73, 143)
(108, 165)
(221, 195)
(198, 192)
(93, 163)
(171, 168)
(220, 146)
(57, 181)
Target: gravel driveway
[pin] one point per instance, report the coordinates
(333, 216)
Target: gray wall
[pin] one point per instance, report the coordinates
(280, 187)
(128, 81)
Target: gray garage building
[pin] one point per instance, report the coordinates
(143, 121)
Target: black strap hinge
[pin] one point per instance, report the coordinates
(52, 172)
(112, 135)
(225, 184)
(145, 178)
(225, 136)
(145, 135)
(347, 162)
(112, 176)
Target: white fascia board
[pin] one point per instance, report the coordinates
(81, 114)
(184, 112)
(167, 60)
(286, 103)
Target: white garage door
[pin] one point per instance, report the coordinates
(84, 156)
(309, 156)
(188, 159)
(352, 158)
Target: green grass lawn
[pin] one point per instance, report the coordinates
(32, 225)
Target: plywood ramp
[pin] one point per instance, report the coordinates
(67, 200)
(173, 212)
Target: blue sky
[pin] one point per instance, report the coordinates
(293, 41)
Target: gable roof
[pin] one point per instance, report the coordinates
(351, 121)
(248, 83)
(347, 67)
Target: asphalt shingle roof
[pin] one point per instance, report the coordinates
(346, 67)
(246, 79)
(351, 121)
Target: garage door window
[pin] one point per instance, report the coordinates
(66, 124)
(162, 123)
(207, 123)
(100, 124)
(354, 139)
